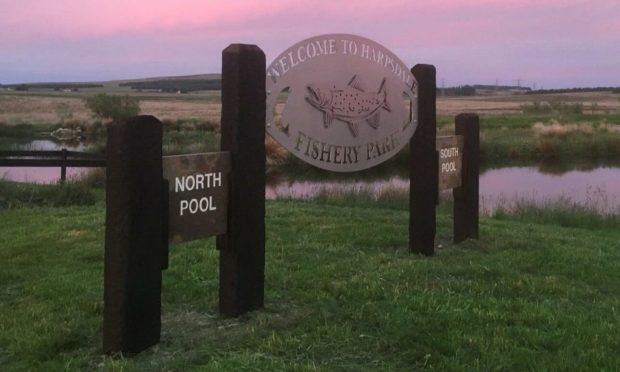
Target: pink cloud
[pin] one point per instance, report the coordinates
(74, 19)
(508, 33)
(448, 21)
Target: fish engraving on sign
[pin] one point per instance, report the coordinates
(350, 104)
(340, 102)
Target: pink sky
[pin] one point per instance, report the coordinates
(550, 43)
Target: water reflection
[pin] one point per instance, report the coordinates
(43, 174)
(48, 145)
(285, 189)
(598, 188)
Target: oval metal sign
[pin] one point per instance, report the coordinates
(341, 102)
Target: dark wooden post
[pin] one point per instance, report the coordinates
(166, 227)
(133, 236)
(242, 248)
(63, 165)
(466, 196)
(423, 178)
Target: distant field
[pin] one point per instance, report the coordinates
(603, 102)
(51, 107)
(41, 106)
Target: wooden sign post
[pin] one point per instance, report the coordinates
(151, 202)
(201, 195)
(466, 202)
(197, 186)
(133, 235)
(450, 150)
(458, 170)
(423, 192)
(242, 248)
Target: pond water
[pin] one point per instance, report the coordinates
(43, 174)
(598, 188)
(46, 144)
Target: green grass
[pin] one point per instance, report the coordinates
(180, 136)
(342, 293)
(190, 141)
(506, 147)
(512, 140)
(18, 195)
(525, 121)
(19, 130)
(22, 130)
(506, 139)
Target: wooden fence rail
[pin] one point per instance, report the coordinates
(61, 159)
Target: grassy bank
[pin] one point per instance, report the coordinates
(343, 293)
(555, 142)
(18, 195)
(554, 129)
(558, 140)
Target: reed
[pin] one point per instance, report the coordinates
(562, 212)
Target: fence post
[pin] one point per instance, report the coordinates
(242, 248)
(423, 174)
(133, 235)
(63, 165)
(466, 197)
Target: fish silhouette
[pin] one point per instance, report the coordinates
(350, 104)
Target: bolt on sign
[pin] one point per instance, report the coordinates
(450, 161)
(198, 195)
(341, 102)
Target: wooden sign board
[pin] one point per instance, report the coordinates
(450, 161)
(198, 195)
(351, 103)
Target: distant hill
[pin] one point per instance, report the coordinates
(178, 77)
(490, 90)
(576, 90)
(51, 86)
(211, 82)
(482, 90)
(183, 84)
(176, 84)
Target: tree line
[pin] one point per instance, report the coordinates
(54, 86)
(576, 90)
(176, 85)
